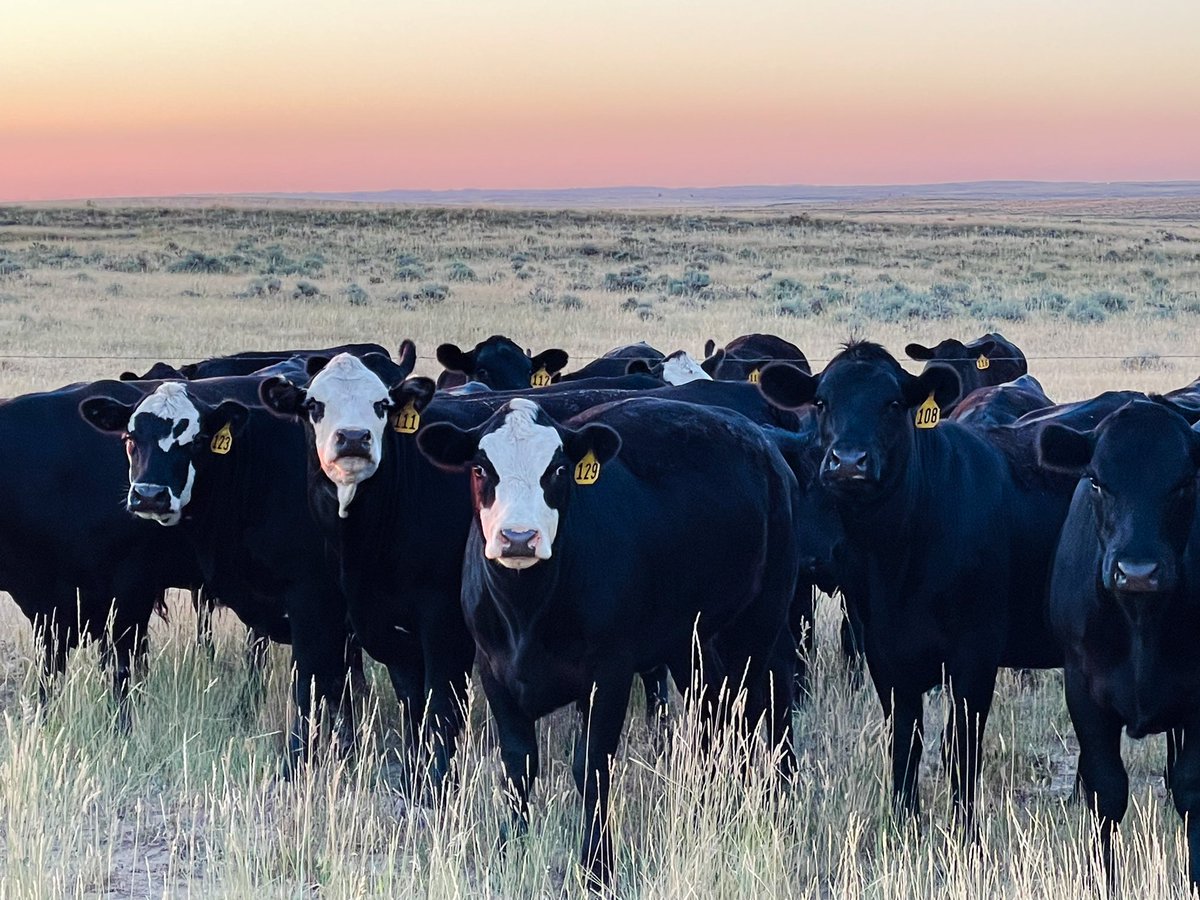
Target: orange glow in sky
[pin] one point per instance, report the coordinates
(141, 97)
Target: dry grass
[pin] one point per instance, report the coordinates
(192, 803)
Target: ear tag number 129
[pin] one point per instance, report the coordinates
(222, 441)
(408, 420)
(928, 414)
(587, 470)
(540, 378)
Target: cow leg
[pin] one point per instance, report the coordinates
(449, 653)
(1185, 791)
(801, 621)
(1174, 738)
(57, 640)
(203, 605)
(1102, 776)
(257, 646)
(518, 752)
(603, 716)
(853, 637)
(656, 683)
(319, 662)
(906, 710)
(407, 674)
(971, 701)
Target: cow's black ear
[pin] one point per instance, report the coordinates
(786, 386)
(447, 446)
(391, 374)
(417, 391)
(918, 352)
(602, 440)
(230, 413)
(315, 364)
(942, 381)
(638, 367)
(550, 360)
(128, 376)
(713, 361)
(709, 346)
(106, 414)
(456, 360)
(1064, 449)
(282, 397)
(983, 348)
(406, 356)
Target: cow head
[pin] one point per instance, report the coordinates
(522, 475)
(865, 404)
(168, 436)
(1138, 467)
(347, 406)
(987, 360)
(677, 368)
(500, 364)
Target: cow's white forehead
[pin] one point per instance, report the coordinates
(343, 377)
(171, 402)
(521, 449)
(679, 368)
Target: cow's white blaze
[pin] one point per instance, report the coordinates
(351, 395)
(679, 368)
(170, 403)
(520, 451)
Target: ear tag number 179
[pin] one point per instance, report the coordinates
(928, 414)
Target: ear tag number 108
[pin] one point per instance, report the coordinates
(928, 414)
(587, 470)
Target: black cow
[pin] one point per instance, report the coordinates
(500, 364)
(1001, 404)
(615, 362)
(251, 361)
(569, 543)
(205, 457)
(944, 551)
(69, 556)
(991, 359)
(1125, 602)
(744, 357)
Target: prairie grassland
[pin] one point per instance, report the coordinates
(1100, 295)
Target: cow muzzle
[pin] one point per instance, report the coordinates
(519, 547)
(847, 467)
(1137, 577)
(151, 501)
(352, 443)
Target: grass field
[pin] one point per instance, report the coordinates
(1100, 295)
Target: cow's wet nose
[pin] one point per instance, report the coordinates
(520, 543)
(1136, 577)
(846, 464)
(352, 442)
(149, 498)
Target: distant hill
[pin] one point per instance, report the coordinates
(764, 195)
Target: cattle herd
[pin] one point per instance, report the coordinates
(646, 515)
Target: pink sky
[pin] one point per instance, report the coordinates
(138, 97)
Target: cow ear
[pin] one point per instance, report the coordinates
(786, 386)
(713, 360)
(407, 355)
(315, 364)
(455, 360)
(983, 348)
(391, 374)
(919, 352)
(229, 413)
(638, 367)
(106, 414)
(128, 376)
(1064, 449)
(282, 397)
(417, 391)
(709, 346)
(602, 440)
(942, 381)
(550, 360)
(447, 446)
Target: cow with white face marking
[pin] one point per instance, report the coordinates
(601, 547)
(206, 459)
(675, 369)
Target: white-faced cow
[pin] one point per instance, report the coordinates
(586, 565)
(675, 369)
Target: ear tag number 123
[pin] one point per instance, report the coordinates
(928, 414)
(222, 441)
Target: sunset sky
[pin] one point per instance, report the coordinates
(147, 97)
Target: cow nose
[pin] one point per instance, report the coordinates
(846, 464)
(149, 498)
(520, 543)
(352, 441)
(1136, 577)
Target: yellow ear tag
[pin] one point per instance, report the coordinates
(983, 363)
(408, 420)
(753, 377)
(587, 470)
(928, 414)
(222, 441)
(540, 378)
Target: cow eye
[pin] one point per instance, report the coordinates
(130, 446)
(479, 472)
(560, 471)
(820, 405)
(896, 404)
(1097, 488)
(381, 408)
(316, 409)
